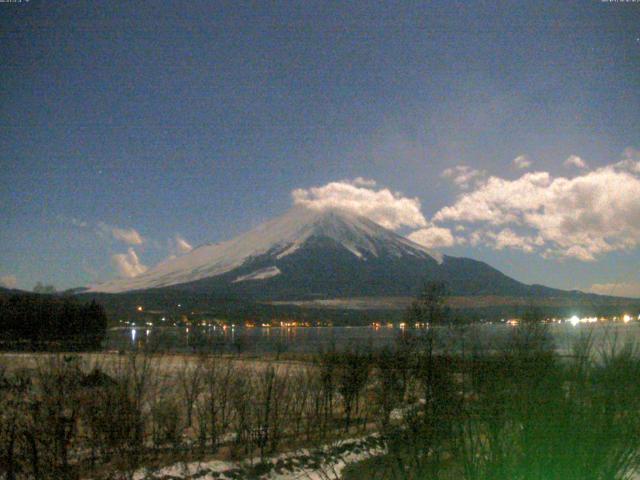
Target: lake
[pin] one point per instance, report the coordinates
(314, 339)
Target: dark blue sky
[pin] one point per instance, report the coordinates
(198, 118)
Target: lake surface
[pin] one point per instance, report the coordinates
(315, 339)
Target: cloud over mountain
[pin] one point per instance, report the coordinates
(128, 264)
(433, 237)
(389, 209)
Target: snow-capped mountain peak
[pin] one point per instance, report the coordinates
(277, 238)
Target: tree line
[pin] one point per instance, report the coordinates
(44, 321)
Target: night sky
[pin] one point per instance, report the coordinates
(132, 131)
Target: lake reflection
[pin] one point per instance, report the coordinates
(314, 339)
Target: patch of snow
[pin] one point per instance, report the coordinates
(324, 463)
(184, 470)
(288, 251)
(353, 250)
(261, 274)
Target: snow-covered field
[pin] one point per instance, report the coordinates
(112, 361)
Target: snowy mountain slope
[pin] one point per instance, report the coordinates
(274, 243)
(260, 274)
(324, 268)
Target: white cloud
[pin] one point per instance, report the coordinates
(575, 161)
(391, 210)
(507, 238)
(433, 237)
(630, 161)
(622, 289)
(464, 176)
(522, 162)
(364, 182)
(181, 245)
(8, 281)
(497, 201)
(129, 236)
(581, 217)
(128, 264)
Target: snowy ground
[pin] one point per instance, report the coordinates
(112, 362)
(321, 464)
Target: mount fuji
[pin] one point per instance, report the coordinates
(311, 254)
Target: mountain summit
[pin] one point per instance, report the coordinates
(318, 254)
(275, 239)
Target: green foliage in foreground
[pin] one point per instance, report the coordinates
(521, 413)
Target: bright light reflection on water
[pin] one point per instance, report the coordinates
(309, 340)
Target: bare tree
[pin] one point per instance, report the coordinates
(190, 380)
(353, 373)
